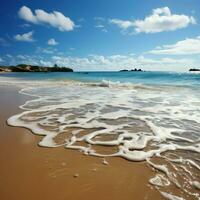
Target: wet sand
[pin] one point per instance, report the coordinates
(30, 172)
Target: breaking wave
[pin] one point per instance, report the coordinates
(159, 125)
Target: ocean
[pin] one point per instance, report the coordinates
(150, 78)
(151, 117)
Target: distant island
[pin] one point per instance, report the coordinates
(194, 70)
(132, 70)
(34, 68)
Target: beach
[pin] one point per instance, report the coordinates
(81, 139)
(100, 100)
(28, 171)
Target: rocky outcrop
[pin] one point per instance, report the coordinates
(33, 68)
(194, 70)
(3, 69)
(132, 70)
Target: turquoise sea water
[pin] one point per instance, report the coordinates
(152, 78)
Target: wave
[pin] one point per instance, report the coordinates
(159, 125)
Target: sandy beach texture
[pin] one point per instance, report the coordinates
(30, 172)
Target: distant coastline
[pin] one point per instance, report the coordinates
(34, 68)
(132, 70)
(194, 70)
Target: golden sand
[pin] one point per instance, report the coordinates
(29, 172)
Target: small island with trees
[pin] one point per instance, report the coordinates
(34, 68)
(132, 70)
(194, 70)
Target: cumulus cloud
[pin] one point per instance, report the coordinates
(107, 63)
(183, 47)
(26, 37)
(160, 20)
(55, 19)
(123, 24)
(93, 62)
(52, 42)
(118, 62)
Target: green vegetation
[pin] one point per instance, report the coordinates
(132, 70)
(34, 68)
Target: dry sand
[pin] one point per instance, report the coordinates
(30, 172)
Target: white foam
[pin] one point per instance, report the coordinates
(196, 184)
(171, 196)
(142, 122)
(159, 180)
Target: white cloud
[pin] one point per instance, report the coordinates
(1, 60)
(55, 19)
(102, 28)
(108, 63)
(100, 24)
(160, 20)
(118, 62)
(26, 37)
(23, 57)
(48, 50)
(123, 24)
(8, 55)
(52, 42)
(184, 47)
(94, 62)
(25, 25)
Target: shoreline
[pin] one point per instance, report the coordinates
(32, 172)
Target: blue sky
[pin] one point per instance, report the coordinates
(101, 34)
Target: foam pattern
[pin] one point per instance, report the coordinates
(157, 125)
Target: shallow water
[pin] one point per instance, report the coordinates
(150, 116)
(152, 78)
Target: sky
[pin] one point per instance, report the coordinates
(101, 35)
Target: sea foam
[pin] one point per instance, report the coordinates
(136, 122)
